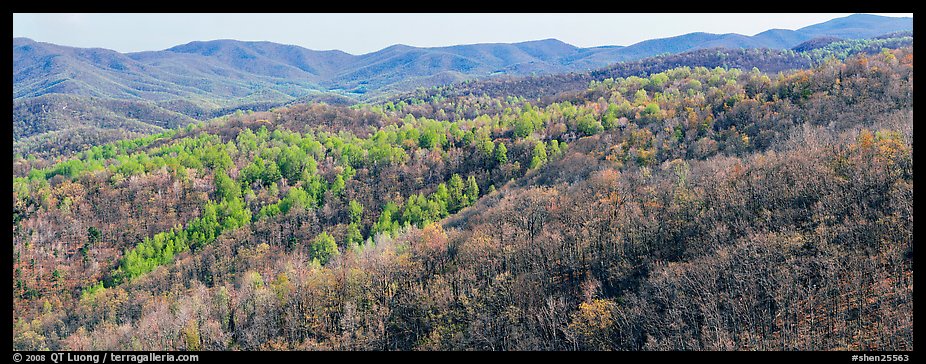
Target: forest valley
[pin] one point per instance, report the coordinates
(695, 208)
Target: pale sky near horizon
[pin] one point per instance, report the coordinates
(365, 33)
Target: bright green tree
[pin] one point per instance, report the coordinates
(337, 187)
(487, 147)
(501, 153)
(355, 211)
(472, 190)
(386, 223)
(523, 128)
(456, 189)
(539, 156)
(554, 148)
(323, 248)
(225, 187)
(588, 125)
(353, 236)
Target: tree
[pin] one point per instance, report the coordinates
(315, 186)
(442, 197)
(353, 236)
(271, 173)
(658, 80)
(355, 211)
(651, 110)
(640, 97)
(539, 155)
(225, 187)
(337, 187)
(456, 189)
(554, 148)
(501, 153)
(609, 119)
(56, 277)
(523, 128)
(253, 172)
(323, 248)
(297, 197)
(94, 235)
(487, 147)
(386, 223)
(472, 190)
(588, 125)
(593, 322)
(428, 139)
(234, 214)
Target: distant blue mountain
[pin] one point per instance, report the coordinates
(858, 26)
(227, 72)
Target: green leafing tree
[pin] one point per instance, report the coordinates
(337, 187)
(472, 190)
(413, 213)
(353, 235)
(234, 214)
(609, 119)
(588, 125)
(297, 197)
(456, 188)
(315, 186)
(56, 276)
(539, 157)
(651, 110)
(355, 211)
(387, 222)
(523, 128)
(272, 173)
(292, 161)
(204, 229)
(323, 248)
(487, 147)
(554, 149)
(501, 153)
(253, 172)
(225, 187)
(442, 198)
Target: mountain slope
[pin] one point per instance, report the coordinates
(225, 70)
(780, 38)
(205, 79)
(750, 211)
(266, 58)
(858, 26)
(152, 76)
(43, 68)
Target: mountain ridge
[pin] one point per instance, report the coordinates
(206, 79)
(296, 71)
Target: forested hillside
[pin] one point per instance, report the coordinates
(66, 99)
(549, 87)
(693, 208)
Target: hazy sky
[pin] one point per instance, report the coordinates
(364, 33)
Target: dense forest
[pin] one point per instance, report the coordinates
(686, 208)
